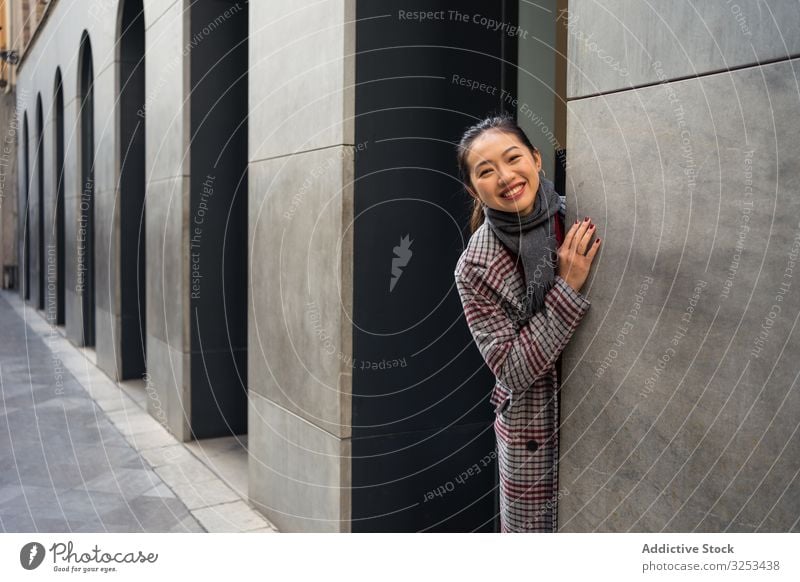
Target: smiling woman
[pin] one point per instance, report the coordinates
(519, 281)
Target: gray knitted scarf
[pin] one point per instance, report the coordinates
(533, 239)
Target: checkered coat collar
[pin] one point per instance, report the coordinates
(497, 264)
(486, 254)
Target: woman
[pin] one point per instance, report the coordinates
(521, 296)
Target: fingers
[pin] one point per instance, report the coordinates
(585, 240)
(575, 234)
(593, 248)
(569, 237)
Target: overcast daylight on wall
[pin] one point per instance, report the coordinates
(228, 235)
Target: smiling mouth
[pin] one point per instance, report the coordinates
(513, 192)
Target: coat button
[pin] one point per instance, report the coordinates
(532, 445)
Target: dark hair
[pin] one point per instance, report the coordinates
(501, 122)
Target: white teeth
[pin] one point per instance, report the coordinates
(514, 192)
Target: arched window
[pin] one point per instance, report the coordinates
(132, 190)
(41, 265)
(58, 156)
(25, 255)
(86, 205)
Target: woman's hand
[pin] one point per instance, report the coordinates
(573, 260)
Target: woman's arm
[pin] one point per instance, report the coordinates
(517, 358)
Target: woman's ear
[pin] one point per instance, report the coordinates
(537, 159)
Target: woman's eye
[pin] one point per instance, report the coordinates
(482, 174)
(514, 158)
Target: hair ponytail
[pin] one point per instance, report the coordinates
(477, 217)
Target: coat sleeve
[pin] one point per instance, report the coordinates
(518, 357)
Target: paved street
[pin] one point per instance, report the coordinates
(64, 465)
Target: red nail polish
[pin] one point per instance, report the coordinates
(597, 241)
(586, 219)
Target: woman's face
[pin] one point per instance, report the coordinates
(504, 173)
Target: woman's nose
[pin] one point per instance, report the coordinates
(506, 178)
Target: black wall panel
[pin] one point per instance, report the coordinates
(218, 219)
(421, 414)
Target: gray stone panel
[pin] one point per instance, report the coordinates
(35, 227)
(105, 130)
(615, 44)
(72, 300)
(107, 222)
(49, 213)
(679, 402)
(106, 265)
(106, 251)
(166, 114)
(300, 247)
(299, 475)
(165, 218)
(107, 346)
(302, 79)
(167, 384)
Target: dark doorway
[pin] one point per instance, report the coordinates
(218, 218)
(132, 190)
(58, 227)
(424, 417)
(26, 224)
(86, 205)
(40, 201)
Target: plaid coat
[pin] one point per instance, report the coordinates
(523, 357)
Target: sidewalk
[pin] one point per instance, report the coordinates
(79, 453)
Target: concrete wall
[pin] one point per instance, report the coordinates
(613, 45)
(167, 184)
(685, 423)
(300, 207)
(300, 157)
(167, 211)
(9, 188)
(58, 47)
(680, 401)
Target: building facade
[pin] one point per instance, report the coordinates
(251, 209)
(8, 148)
